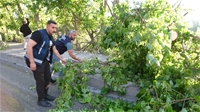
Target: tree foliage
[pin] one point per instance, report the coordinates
(85, 16)
(145, 53)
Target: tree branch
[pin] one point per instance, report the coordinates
(175, 3)
(195, 37)
(177, 6)
(181, 100)
(113, 15)
(155, 92)
(109, 8)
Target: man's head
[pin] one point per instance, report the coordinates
(72, 34)
(23, 21)
(51, 27)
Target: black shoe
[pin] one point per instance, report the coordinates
(43, 103)
(53, 81)
(49, 98)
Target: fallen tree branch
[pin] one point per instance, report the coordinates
(156, 93)
(182, 100)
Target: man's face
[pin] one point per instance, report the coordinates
(24, 22)
(73, 36)
(51, 28)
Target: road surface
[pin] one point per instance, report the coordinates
(16, 95)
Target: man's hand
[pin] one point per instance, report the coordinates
(63, 61)
(80, 60)
(33, 66)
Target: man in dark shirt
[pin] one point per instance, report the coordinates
(63, 44)
(39, 54)
(26, 31)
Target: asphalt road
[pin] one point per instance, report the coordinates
(15, 92)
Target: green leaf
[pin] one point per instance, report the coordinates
(150, 56)
(197, 98)
(168, 99)
(161, 110)
(149, 46)
(157, 84)
(169, 108)
(113, 44)
(183, 110)
(115, 88)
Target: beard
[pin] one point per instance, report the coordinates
(72, 38)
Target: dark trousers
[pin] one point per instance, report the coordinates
(42, 77)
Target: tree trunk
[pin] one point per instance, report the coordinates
(20, 10)
(11, 18)
(37, 18)
(78, 46)
(104, 4)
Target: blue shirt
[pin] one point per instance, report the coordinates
(63, 43)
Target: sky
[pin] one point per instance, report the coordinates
(193, 17)
(186, 4)
(190, 4)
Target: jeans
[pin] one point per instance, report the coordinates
(56, 59)
(26, 40)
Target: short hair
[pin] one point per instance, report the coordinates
(70, 32)
(23, 21)
(51, 21)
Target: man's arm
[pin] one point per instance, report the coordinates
(27, 21)
(70, 52)
(55, 51)
(30, 45)
(21, 29)
(35, 38)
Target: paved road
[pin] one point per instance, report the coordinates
(16, 95)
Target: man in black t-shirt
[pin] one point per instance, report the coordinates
(39, 54)
(26, 31)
